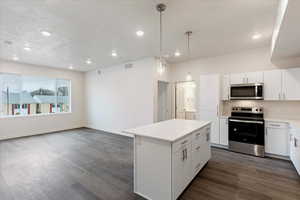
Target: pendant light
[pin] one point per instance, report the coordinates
(160, 8)
(188, 35)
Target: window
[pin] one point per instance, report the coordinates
(29, 95)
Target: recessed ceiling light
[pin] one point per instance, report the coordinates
(140, 33)
(188, 77)
(71, 67)
(46, 33)
(27, 48)
(177, 54)
(88, 61)
(15, 58)
(114, 54)
(256, 36)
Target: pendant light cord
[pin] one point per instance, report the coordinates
(160, 8)
(188, 34)
(160, 36)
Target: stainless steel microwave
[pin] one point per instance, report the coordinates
(251, 91)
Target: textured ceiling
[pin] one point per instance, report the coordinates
(84, 29)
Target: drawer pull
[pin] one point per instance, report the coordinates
(198, 148)
(198, 134)
(207, 137)
(184, 142)
(275, 125)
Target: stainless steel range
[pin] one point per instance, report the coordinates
(247, 130)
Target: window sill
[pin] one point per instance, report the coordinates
(35, 115)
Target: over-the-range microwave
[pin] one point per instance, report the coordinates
(251, 91)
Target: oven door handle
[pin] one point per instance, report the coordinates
(246, 121)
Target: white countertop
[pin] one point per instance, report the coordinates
(295, 124)
(170, 130)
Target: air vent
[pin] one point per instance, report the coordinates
(128, 65)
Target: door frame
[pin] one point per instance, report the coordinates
(175, 94)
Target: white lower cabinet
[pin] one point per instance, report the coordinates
(181, 161)
(295, 148)
(188, 160)
(164, 168)
(276, 138)
(224, 131)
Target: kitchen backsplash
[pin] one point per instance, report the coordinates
(272, 109)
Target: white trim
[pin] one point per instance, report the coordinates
(142, 195)
(42, 133)
(34, 115)
(111, 131)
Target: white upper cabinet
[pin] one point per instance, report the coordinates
(255, 77)
(239, 78)
(273, 85)
(225, 87)
(249, 77)
(291, 84)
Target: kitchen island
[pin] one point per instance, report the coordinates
(168, 155)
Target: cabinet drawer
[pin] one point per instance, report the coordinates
(182, 143)
(277, 125)
(200, 136)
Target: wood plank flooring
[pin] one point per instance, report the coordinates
(85, 164)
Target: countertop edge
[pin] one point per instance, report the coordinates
(164, 139)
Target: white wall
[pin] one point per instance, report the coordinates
(121, 98)
(31, 125)
(244, 61)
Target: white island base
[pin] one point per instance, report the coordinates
(168, 155)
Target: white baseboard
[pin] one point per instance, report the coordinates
(116, 132)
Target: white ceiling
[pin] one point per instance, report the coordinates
(287, 43)
(84, 29)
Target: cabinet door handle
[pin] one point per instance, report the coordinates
(295, 142)
(198, 148)
(185, 154)
(207, 137)
(184, 142)
(183, 157)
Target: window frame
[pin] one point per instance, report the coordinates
(41, 114)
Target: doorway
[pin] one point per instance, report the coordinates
(164, 101)
(185, 100)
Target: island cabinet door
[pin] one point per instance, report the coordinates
(181, 165)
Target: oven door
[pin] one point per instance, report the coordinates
(247, 131)
(247, 91)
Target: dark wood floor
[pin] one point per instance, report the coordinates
(85, 164)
